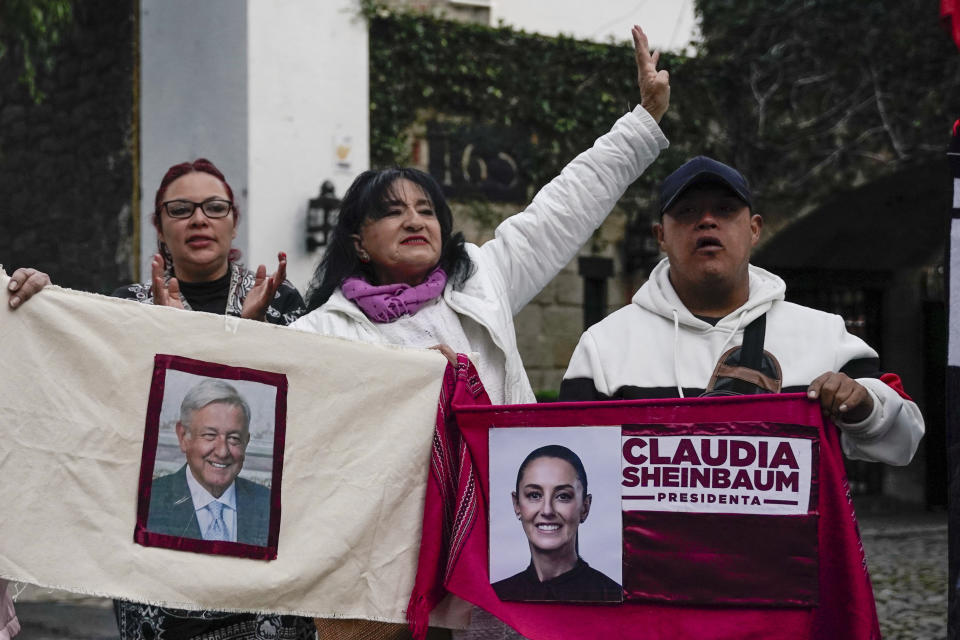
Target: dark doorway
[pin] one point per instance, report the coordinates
(857, 297)
(935, 409)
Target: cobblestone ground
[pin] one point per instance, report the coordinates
(907, 557)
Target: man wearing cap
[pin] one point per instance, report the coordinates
(680, 335)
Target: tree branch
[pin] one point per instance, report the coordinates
(761, 96)
(885, 118)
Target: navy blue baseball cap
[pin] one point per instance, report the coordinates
(698, 171)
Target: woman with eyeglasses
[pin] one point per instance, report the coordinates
(196, 267)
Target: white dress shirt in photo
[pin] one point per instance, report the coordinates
(201, 498)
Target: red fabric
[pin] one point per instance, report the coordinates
(893, 381)
(452, 502)
(719, 558)
(950, 18)
(458, 549)
(722, 558)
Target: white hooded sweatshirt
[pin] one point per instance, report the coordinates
(656, 348)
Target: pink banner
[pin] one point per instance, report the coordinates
(748, 584)
(723, 513)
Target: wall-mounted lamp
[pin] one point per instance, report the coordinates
(321, 216)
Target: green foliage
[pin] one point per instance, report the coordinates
(29, 30)
(804, 96)
(823, 94)
(561, 93)
(547, 395)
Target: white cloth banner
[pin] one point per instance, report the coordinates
(76, 375)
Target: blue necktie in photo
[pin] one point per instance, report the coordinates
(217, 529)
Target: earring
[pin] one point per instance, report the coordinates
(363, 255)
(518, 516)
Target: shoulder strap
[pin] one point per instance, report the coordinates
(751, 354)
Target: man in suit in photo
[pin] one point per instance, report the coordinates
(205, 499)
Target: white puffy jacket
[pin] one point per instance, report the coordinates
(527, 251)
(656, 348)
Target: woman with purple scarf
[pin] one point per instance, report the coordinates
(396, 273)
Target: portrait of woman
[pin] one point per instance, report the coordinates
(551, 500)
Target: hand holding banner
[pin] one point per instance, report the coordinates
(759, 567)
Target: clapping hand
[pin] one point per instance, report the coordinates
(264, 290)
(166, 294)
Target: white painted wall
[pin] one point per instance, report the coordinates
(308, 93)
(669, 24)
(267, 90)
(193, 99)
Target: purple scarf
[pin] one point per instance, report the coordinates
(389, 302)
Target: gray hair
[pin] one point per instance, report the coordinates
(207, 392)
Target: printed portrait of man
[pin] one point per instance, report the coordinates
(205, 499)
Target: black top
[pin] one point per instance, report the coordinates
(581, 584)
(207, 296)
(708, 319)
(225, 296)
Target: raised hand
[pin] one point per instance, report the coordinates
(167, 293)
(654, 85)
(24, 283)
(264, 289)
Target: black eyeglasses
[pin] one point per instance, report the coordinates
(213, 208)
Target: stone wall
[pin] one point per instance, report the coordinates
(66, 164)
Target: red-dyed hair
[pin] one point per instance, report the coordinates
(176, 171)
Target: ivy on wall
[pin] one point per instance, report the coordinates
(30, 29)
(560, 92)
(806, 98)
